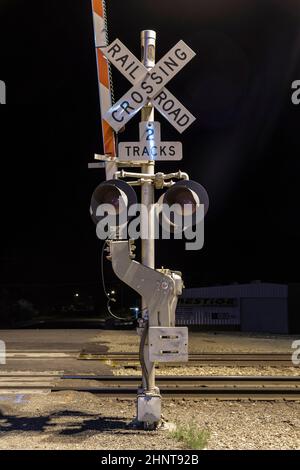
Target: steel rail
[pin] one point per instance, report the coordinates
(198, 358)
(182, 387)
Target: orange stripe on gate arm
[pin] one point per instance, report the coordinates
(109, 139)
(98, 7)
(103, 69)
(108, 135)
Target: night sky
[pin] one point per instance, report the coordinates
(244, 147)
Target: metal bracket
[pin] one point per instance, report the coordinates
(159, 180)
(95, 166)
(104, 158)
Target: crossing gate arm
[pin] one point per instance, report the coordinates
(105, 84)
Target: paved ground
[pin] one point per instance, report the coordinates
(51, 350)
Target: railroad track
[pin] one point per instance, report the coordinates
(187, 387)
(197, 359)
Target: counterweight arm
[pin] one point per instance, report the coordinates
(159, 288)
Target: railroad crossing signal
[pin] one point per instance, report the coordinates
(159, 288)
(149, 86)
(150, 146)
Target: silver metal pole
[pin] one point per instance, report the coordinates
(148, 44)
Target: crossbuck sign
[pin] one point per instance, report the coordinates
(148, 85)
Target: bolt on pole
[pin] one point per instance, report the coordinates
(148, 46)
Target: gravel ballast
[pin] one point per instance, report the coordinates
(75, 420)
(215, 371)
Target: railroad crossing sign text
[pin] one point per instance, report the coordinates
(149, 85)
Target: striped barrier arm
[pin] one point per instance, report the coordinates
(104, 79)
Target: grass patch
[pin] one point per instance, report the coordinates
(191, 436)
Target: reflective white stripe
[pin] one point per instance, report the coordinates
(99, 30)
(104, 91)
(110, 168)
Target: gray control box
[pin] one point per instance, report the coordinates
(168, 344)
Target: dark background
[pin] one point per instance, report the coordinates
(244, 147)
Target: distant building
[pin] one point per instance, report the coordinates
(294, 308)
(253, 307)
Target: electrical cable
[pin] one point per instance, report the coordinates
(141, 353)
(110, 73)
(112, 93)
(117, 144)
(104, 288)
